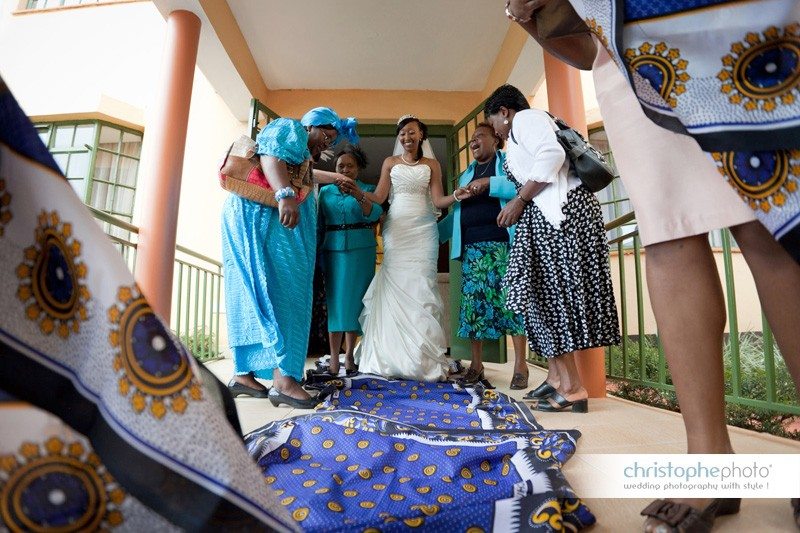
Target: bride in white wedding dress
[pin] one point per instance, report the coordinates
(401, 320)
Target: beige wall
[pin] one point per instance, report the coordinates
(104, 62)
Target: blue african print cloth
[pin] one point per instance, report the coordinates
(101, 407)
(727, 73)
(394, 455)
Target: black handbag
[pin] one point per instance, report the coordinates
(591, 167)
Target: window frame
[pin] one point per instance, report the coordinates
(89, 180)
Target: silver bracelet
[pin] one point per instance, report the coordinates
(456, 198)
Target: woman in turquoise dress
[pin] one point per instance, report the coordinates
(349, 218)
(268, 256)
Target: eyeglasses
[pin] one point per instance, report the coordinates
(326, 140)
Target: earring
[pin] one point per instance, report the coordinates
(505, 122)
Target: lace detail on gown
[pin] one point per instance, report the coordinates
(401, 320)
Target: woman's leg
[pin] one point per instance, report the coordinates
(689, 308)
(349, 346)
(777, 278)
(476, 345)
(569, 381)
(520, 353)
(335, 344)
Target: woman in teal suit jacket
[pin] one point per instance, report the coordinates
(482, 247)
(348, 251)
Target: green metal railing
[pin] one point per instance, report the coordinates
(260, 116)
(196, 288)
(754, 377)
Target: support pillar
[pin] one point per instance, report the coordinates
(565, 100)
(160, 183)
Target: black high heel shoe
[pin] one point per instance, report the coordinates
(561, 404)
(276, 398)
(237, 389)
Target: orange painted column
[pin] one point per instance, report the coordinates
(160, 182)
(565, 100)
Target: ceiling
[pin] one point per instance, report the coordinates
(446, 45)
(438, 57)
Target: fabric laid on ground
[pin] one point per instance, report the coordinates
(389, 455)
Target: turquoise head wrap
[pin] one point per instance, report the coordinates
(323, 116)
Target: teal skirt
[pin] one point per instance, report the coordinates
(348, 274)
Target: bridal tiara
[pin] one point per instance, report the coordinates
(404, 117)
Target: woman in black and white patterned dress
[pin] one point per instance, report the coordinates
(558, 274)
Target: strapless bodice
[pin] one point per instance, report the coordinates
(408, 179)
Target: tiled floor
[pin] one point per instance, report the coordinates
(612, 426)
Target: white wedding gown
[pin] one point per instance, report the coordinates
(401, 320)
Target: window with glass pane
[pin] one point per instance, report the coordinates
(44, 4)
(100, 160)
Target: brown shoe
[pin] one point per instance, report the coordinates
(472, 376)
(519, 381)
(683, 518)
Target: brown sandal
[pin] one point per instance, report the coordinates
(519, 381)
(796, 509)
(472, 376)
(683, 518)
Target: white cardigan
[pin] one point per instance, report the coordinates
(535, 154)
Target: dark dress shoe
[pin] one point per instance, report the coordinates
(542, 391)
(472, 376)
(237, 389)
(561, 404)
(276, 398)
(519, 381)
(683, 517)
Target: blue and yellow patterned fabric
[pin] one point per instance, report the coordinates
(726, 73)
(101, 406)
(397, 455)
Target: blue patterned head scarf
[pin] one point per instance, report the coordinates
(322, 116)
